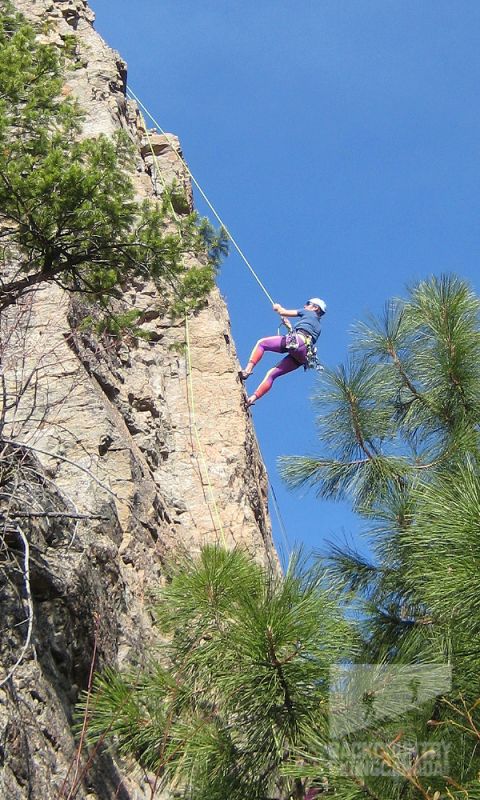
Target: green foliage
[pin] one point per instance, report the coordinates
(444, 550)
(70, 45)
(244, 678)
(405, 406)
(67, 204)
(399, 429)
(175, 197)
(115, 325)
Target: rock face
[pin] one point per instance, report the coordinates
(125, 455)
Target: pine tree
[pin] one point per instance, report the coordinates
(399, 432)
(239, 685)
(67, 208)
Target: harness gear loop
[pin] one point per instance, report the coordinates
(292, 340)
(312, 361)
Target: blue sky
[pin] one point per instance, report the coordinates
(339, 140)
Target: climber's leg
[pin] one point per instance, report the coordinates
(286, 365)
(274, 344)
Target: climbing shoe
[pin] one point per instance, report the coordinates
(243, 374)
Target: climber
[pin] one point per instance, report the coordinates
(298, 343)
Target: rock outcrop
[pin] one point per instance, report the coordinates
(122, 457)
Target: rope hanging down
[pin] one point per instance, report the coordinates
(197, 437)
(212, 503)
(202, 193)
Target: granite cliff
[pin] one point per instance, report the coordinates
(110, 464)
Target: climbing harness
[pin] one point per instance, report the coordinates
(292, 341)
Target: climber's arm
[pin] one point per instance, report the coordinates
(284, 312)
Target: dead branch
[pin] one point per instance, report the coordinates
(29, 601)
(22, 445)
(66, 514)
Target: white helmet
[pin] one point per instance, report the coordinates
(315, 301)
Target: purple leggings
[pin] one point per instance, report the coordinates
(276, 344)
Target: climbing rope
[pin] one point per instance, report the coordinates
(197, 435)
(202, 193)
(281, 523)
